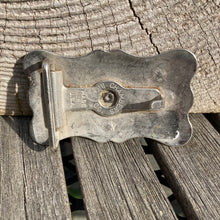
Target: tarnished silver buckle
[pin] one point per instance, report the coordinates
(110, 96)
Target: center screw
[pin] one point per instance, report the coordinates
(108, 99)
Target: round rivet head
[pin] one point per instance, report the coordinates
(108, 99)
(111, 98)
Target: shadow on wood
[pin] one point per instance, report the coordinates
(17, 93)
(22, 131)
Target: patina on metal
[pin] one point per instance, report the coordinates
(110, 96)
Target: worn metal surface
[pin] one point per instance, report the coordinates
(111, 96)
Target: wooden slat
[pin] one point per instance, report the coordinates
(193, 170)
(118, 182)
(32, 184)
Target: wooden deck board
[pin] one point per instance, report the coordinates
(193, 170)
(32, 183)
(118, 181)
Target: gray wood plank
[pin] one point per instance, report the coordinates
(193, 170)
(32, 184)
(118, 181)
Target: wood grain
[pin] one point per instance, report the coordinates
(32, 183)
(75, 28)
(118, 181)
(193, 170)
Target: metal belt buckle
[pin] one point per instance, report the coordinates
(110, 96)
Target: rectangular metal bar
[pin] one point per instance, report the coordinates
(49, 103)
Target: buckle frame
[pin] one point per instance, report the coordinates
(110, 96)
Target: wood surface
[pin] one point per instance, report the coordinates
(193, 170)
(118, 182)
(32, 182)
(75, 28)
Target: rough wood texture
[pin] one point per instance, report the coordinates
(193, 171)
(32, 183)
(74, 28)
(118, 182)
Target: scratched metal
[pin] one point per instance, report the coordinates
(111, 96)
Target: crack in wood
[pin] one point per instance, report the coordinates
(86, 19)
(116, 25)
(142, 27)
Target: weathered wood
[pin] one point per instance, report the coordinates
(32, 183)
(74, 28)
(193, 170)
(118, 181)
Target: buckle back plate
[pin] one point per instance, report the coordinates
(110, 96)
